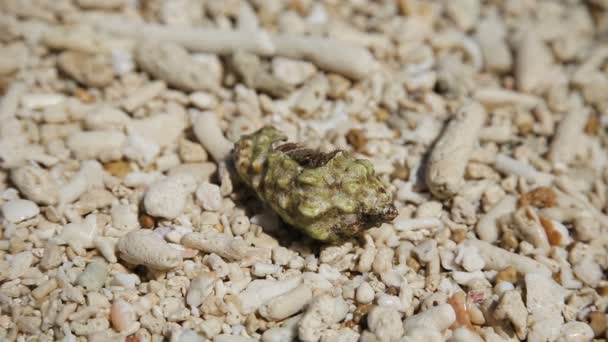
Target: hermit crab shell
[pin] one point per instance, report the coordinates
(329, 196)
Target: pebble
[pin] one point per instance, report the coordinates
(35, 184)
(389, 301)
(167, 198)
(106, 246)
(146, 221)
(200, 288)
(240, 224)
(40, 101)
(122, 62)
(118, 168)
(191, 152)
(51, 257)
(508, 274)
(89, 176)
(292, 71)
(203, 100)
(106, 117)
(161, 129)
(502, 287)
(188, 335)
(365, 293)
(123, 217)
(94, 275)
(385, 322)
(576, 332)
(19, 210)
(126, 280)
(141, 150)
(80, 235)
(164, 162)
(588, 271)
(104, 145)
(89, 70)
(210, 196)
(19, 265)
(122, 315)
(597, 321)
(144, 247)
(263, 269)
(201, 172)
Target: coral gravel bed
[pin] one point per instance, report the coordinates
(336, 171)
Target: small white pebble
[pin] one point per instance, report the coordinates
(167, 198)
(80, 235)
(19, 210)
(576, 332)
(468, 257)
(126, 280)
(210, 197)
(203, 100)
(261, 269)
(239, 224)
(122, 315)
(143, 247)
(122, 62)
(365, 293)
(503, 287)
(292, 71)
(94, 275)
(188, 335)
(19, 264)
(389, 301)
(39, 101)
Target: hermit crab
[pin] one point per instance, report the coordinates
(330, 196)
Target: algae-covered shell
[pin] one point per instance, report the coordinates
(329, 196)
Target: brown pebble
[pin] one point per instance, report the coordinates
(509, 240)
(338, 85)
(382, 115)
(592, 127)
(458, 303)
(508, 82)
(603, 291)
(524, 123)
(118, 168)
(413, 264)
(508, 274)
(84, 96)
(357, 139)
(360, 312)
(401, 171)
(17, 245)
(299, 6)
(542, 197)
(393, 291)
(597, 321)
(458, 235)
(5, 82)
(132, 338)
(553, 235)
(147, 221)
(252, 324)
(87, 69)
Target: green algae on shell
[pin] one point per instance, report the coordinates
(329, 196)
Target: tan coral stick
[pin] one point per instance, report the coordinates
(567, 139)
(498, 259)
(332, 55)
(195, 39)
(448, 160)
